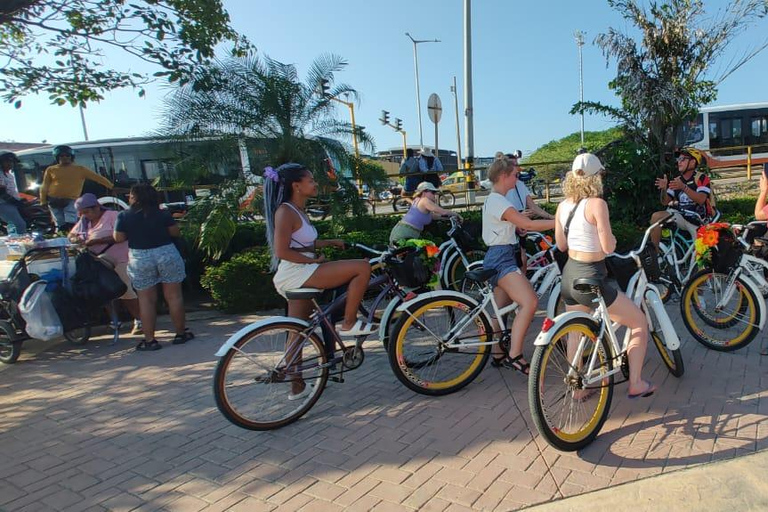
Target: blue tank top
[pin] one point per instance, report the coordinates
(416, 217)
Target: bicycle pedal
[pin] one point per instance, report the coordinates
(340, 380)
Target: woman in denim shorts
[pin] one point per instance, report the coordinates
(153, 259)
(500, 220)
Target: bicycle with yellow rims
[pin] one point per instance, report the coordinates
(441, 341)
(724, 309)
(578, 357)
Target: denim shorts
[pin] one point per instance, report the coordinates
(149, 267)
(502, 258)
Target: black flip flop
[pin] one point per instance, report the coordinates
(147, 346)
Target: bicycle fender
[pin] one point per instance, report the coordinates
(672, 340)
(552, 301)
(252, 327)
(749, 283)
(545, 338)
(386, 317)
(443, 294)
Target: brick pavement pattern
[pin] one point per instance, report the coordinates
(102, 427)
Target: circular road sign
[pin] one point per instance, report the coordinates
(434, 108)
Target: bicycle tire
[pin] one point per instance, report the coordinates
(714, 334)
(78, 336)
(667, 279)
(452, 275)
(10, 345)
(417, 368)
(269, 375)
(446, 198)
(401, 204)
(672, 359)
(561, 436)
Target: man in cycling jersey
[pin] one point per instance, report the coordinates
(687, 193)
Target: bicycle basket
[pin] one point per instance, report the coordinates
(727, 253)
(409, 269)
(649, 258)
(620, 269)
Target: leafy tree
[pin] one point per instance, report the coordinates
(665, 75)
(283, 118)
(176, 35)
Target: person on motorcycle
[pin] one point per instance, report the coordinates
(63, 184)
(432, 166)
(411, 166)
(10, 201)
(688, 193)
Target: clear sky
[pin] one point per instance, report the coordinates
(525, 71)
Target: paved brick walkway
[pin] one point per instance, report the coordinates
(103, 427)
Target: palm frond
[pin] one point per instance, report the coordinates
(217, 231)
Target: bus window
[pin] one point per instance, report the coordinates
(759, 130)
(691, 132)
(714, 133)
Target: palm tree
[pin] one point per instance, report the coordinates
(264, 102)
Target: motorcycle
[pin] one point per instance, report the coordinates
(37, 216)
(534, 185)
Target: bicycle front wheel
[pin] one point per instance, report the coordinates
(673, 359)
(715, 323)
(435, 347)
(257, 382)
(569, 403)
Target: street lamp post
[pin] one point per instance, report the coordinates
(579, 35)
(416, 67)
(458, 126)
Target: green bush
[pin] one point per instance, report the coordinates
(243, 283)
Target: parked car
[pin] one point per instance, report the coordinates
(457, 182)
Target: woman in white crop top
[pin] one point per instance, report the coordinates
(500, 219)
(293, 241)
(589, 240)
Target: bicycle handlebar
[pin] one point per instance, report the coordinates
(365, 248)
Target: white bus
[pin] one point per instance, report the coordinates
(729, 134)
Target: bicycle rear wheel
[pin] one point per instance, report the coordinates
(446, 198)
(252, 384)
(419, 353)
(730, 327)
(452, 276)
(567, 411)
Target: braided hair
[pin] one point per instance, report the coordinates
(278, 189)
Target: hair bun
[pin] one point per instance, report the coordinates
(499, 155)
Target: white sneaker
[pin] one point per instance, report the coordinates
(136, 327)
(304, 393)
(360, 328)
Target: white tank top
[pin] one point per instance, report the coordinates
(582, 235)
(306, 235)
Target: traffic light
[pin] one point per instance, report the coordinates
(384, 117)
(324, 87)
(398, 124)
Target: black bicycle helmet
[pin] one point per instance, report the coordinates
(63, 150)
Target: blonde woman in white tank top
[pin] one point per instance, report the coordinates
(589, 241)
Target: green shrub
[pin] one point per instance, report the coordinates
(243, 283)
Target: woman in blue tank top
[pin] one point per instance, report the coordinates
(419, 215)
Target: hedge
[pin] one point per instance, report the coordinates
(244, 283)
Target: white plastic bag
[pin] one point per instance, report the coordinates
(38, 312)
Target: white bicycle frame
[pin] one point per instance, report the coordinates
(549, 277)
(643, 294)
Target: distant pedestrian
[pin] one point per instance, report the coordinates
(432, 166)
(153, 259)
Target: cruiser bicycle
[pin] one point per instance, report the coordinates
(578, 356)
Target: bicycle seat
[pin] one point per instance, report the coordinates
(482, 275)
(303, 294)
(586, 284)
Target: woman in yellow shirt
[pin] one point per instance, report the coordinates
(63, 183)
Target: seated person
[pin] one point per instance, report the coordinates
(690, 192)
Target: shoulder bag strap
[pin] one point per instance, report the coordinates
(570, 218)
